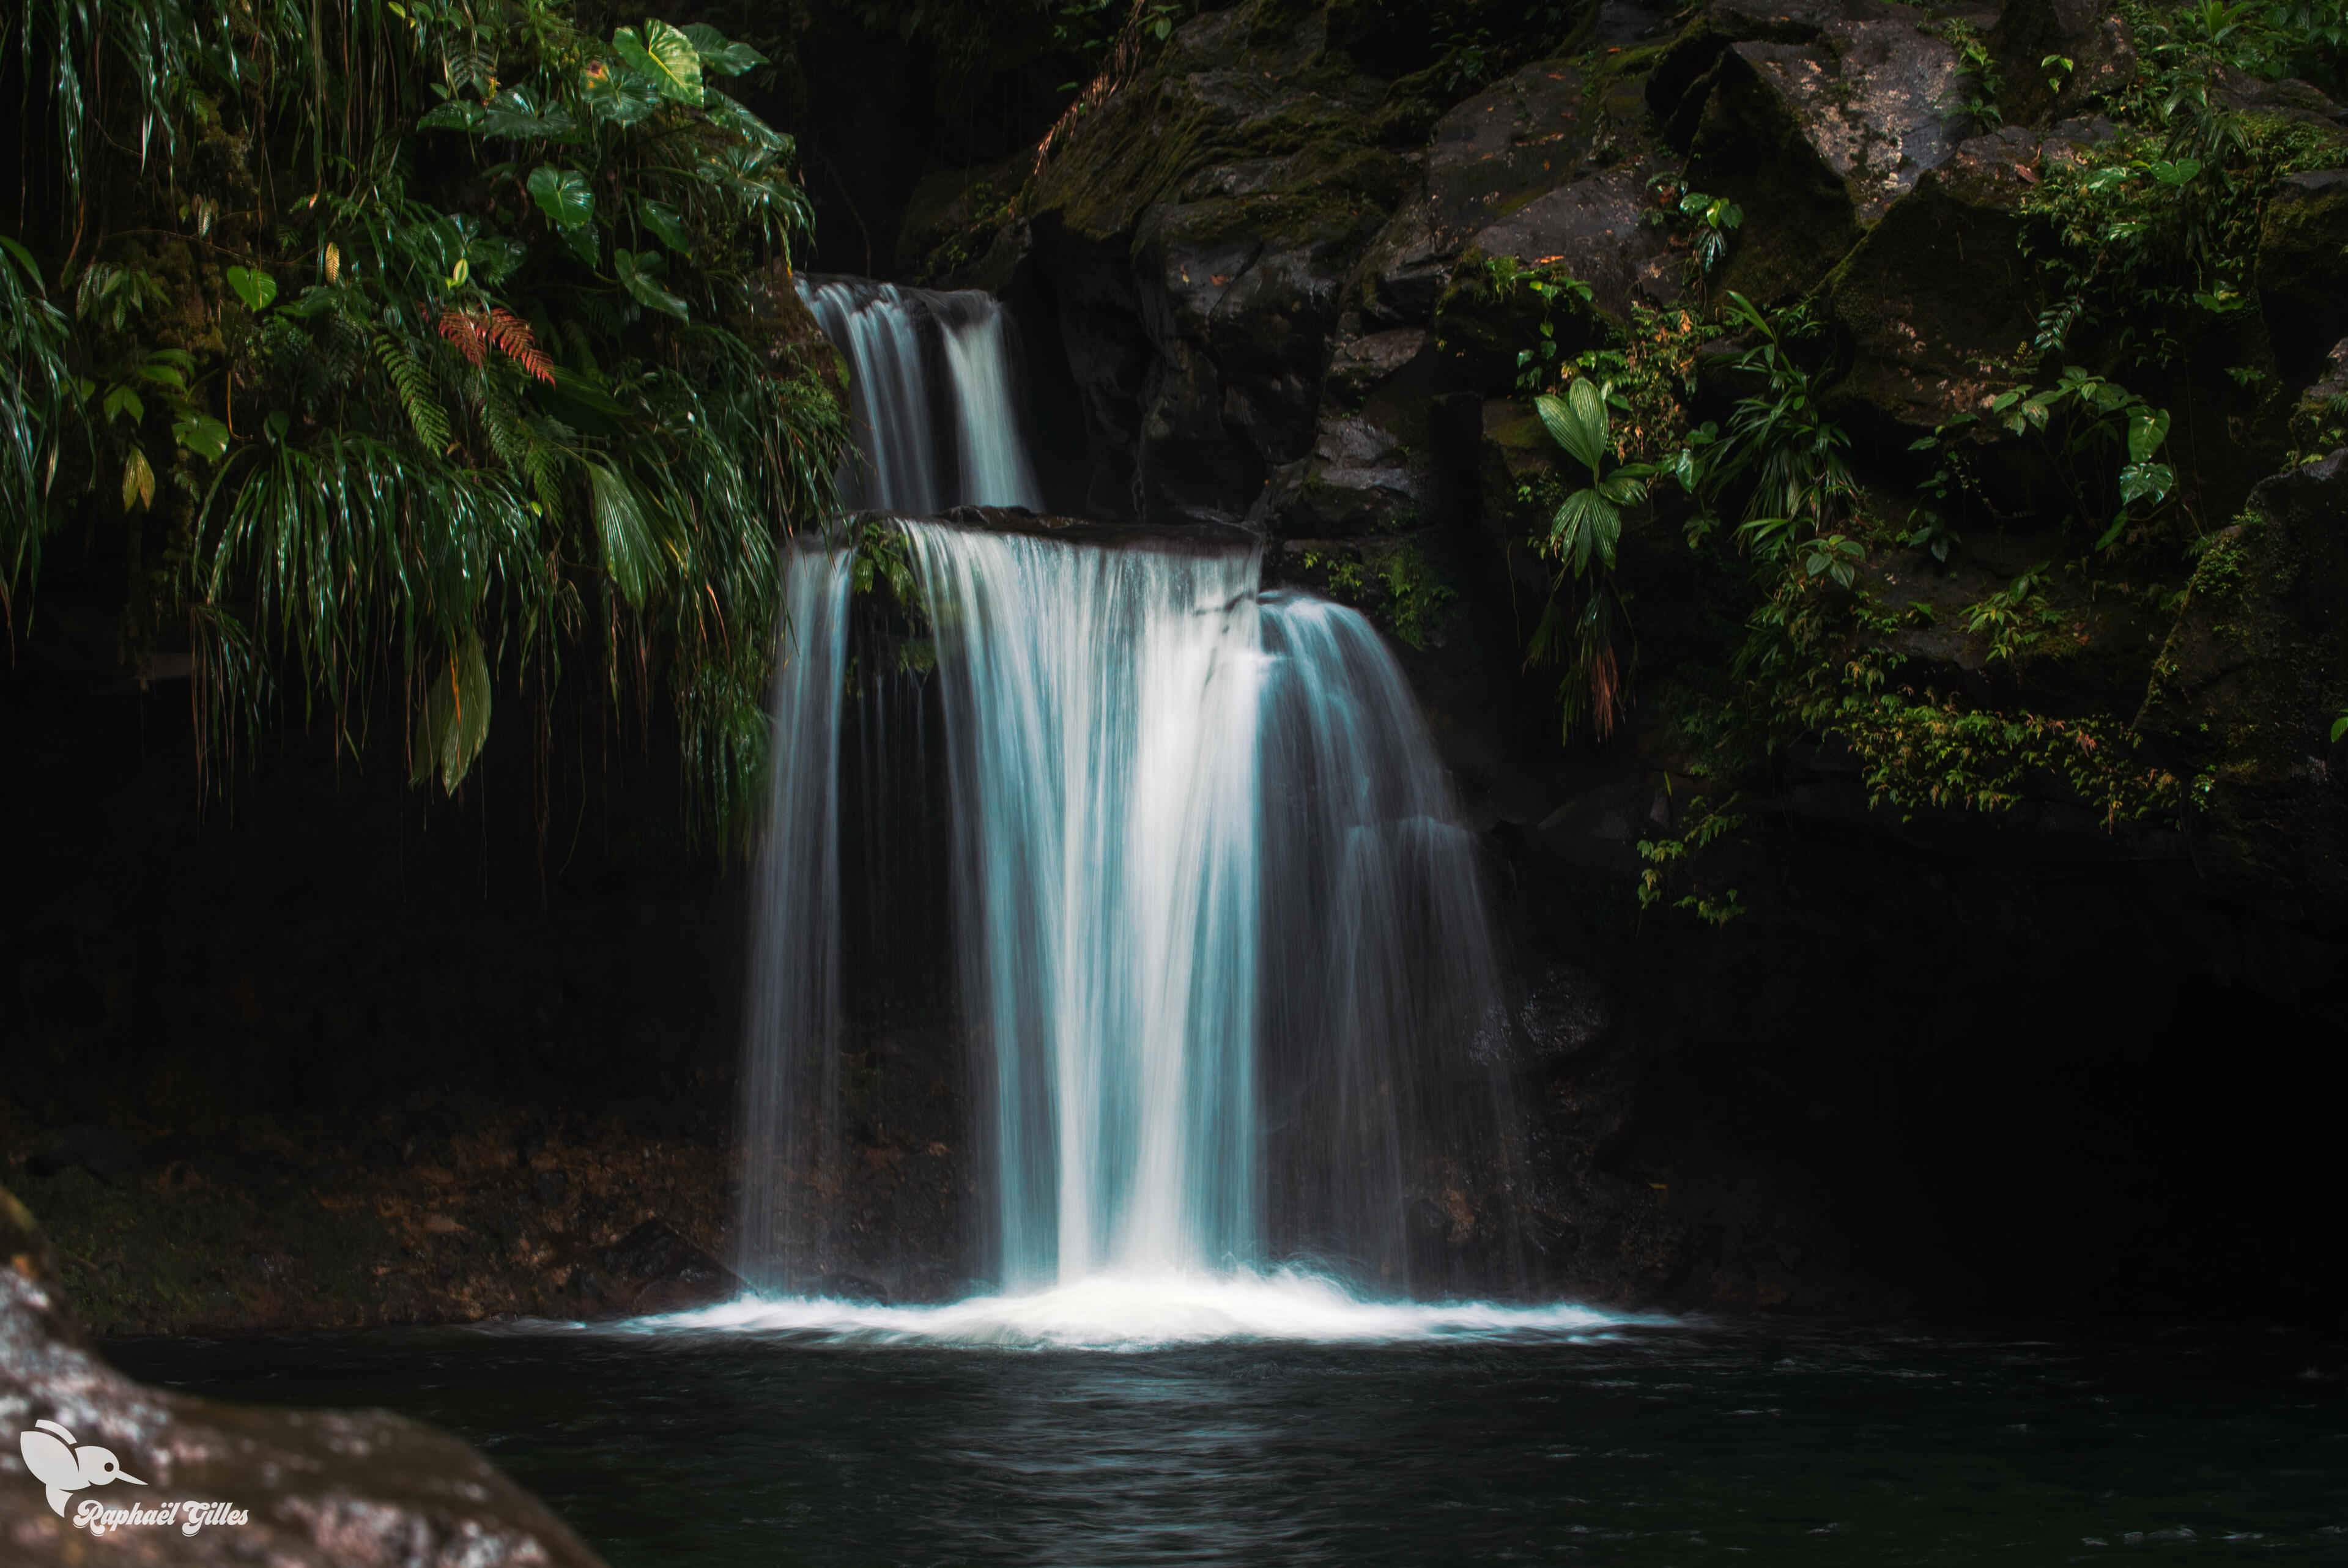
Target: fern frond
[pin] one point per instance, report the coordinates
(512, 336)
(467, 332)
(414, 385)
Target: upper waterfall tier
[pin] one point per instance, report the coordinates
(935, 392)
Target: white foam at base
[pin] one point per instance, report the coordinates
(1142, 1312)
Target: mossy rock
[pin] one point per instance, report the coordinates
(2250, 681)
(2301, 275)
(1934, 292)
(1814, 124)
(2087, 33)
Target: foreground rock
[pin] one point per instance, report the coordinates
(297, 1487)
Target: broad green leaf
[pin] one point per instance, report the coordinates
(2139, 481)
(1577, 422)
(2338, 729)
(253, 286)
(586, 243)
(2177, 174)
(2146, 430)
(1585, 527)
(562, 194)
(717, 54)
(636, 272)
(665, 57)
(513, 115)
(766, 142)
(618, 95)
(455, 721)
(631, 555)
(122, 400)
(1623, 488)
(138, 481)
(201, 434)
(667, 225)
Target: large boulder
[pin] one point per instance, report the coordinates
(300, 1489)
(1814, 118)
(1939, 288)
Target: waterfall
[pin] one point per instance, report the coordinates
(1220, 949)
(790, 1079)
(1101, 708)
(1382, 1034)
(933, 392)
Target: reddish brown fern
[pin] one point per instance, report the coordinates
(475, 333)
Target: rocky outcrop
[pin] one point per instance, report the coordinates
(2251, 679)
(221, 1483)
(1814, 118)
(2302, 270)
(1200, 228)
(1939, 289)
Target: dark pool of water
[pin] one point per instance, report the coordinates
(1656, 1444)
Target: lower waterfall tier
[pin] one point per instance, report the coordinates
(1219, 948)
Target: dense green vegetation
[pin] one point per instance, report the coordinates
(2144, 241)
(422, 351)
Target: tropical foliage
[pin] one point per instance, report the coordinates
(425, 351)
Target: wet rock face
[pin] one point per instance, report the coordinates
(297, 1488)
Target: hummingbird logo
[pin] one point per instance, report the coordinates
(66, 1467)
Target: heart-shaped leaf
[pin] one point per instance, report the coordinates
(586, 243)
(667, 225)
(636, 272)
(562, 195)
(717, 54)
(201, 434)
(2146, 430)
(253, 286)
(618, 95)
(665, 57)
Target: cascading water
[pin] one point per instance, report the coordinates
(933, 389)
(1221, 948)
(1100, 710)
(1221, 964)
(789, 1121)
